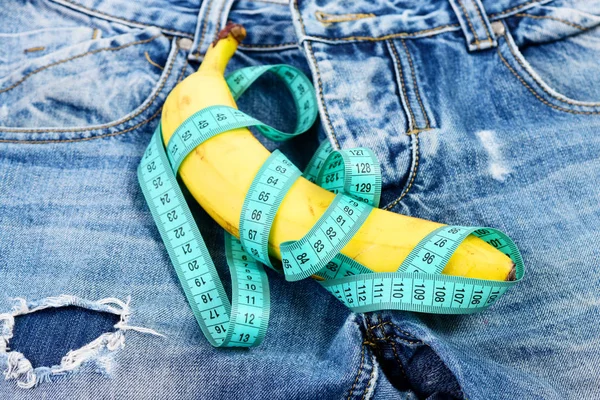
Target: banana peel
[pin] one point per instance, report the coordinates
(219, 172)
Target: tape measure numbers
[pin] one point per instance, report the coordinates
(194, 266)
(353, 174)
(265, 195)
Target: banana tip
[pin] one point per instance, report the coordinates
(512, 275)
(237, 31)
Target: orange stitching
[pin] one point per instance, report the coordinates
(205, 17)
(407, 341)
(487, 32)
(368, 38)
(399, 34)
(150, 102)
(182, 73)
(415, 131)
(266, 46)
(580, 27)
(95, 34)
(218, 24)
(469, 21)
(412, 179)
(152, 62)
(575, 103)
(382, 324)
(320, 84)
(270, 2)
(399, 70)
(73, 58)
(370, 379)
(398, 361)
(32, 49)
(412, 69)
(326, 18)
(362, 361)
(386, 37)
(187, 34)
(538, 96)
(83, 139)
(299, 17)
(513, 9)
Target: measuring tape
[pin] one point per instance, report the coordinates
(353, 174)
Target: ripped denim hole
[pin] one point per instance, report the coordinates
(101, 324)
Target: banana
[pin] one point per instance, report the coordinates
(219, 172)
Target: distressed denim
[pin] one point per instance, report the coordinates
(482, 113)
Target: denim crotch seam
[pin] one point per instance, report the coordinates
(17, 367)
(388, 335)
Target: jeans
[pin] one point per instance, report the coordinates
(482, 113)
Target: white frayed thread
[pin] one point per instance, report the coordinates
(499, 168)
(21, 370)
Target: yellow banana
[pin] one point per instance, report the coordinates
(219, 172)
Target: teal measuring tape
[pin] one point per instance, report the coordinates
(353, 174)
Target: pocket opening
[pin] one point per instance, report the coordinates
(511, 57)
(145, 110)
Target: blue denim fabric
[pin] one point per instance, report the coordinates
(481, 113)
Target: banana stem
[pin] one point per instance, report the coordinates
(222, 49)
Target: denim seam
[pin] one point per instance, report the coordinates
(469, 22)
(14, 85)
(320, 85)
(487, 32)
(118, 122)
(326, 18)
(205, 26)
(516, 74)
(218, 24)
(382, 324)
(399, 70)
(454, 27)
(399, 338)
(414, 76)
(299, 17)
(86, 138)
(266, 46)
(413, 173)
(371, 376)
(564, 21)
(182, 73)
(186, 34)
(269, 2)
(384, 37)
(575, 103)
(362, 361)
(480, 12)
(520, 6)
(400, 364)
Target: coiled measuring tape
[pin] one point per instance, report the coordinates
(353, 174)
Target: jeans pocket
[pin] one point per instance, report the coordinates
(554, 53)
(21, 48)
(87, 88)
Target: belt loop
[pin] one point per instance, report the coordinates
(475, 24)
(212, 17)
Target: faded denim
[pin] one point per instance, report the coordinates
(482, 113)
